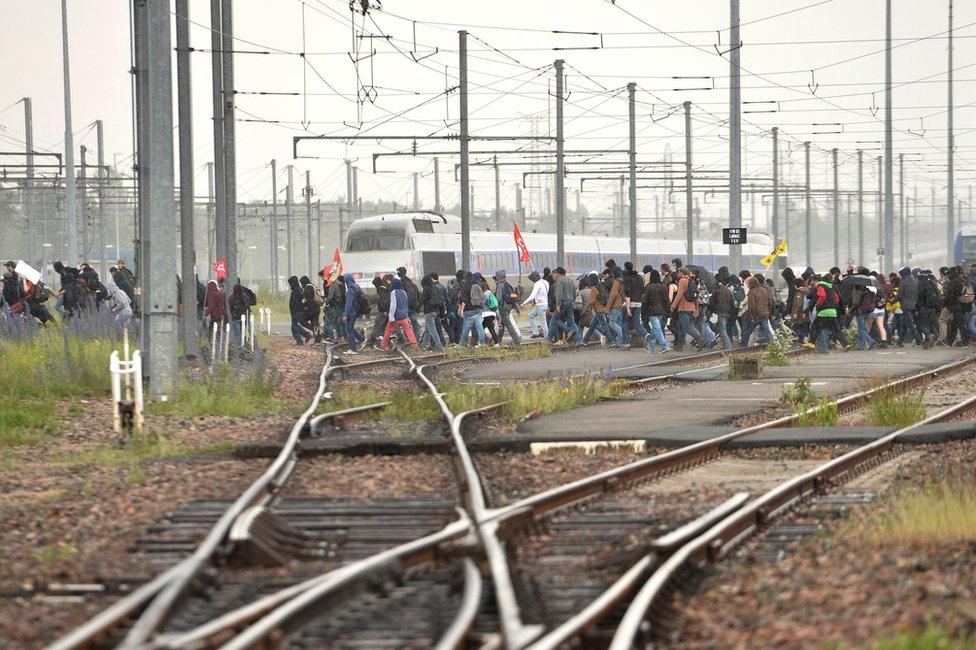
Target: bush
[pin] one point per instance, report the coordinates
(777, 350)
(24, 421)
(942, 512)
(798, 394)
(55, 363)
(890, 408)
(823, 413)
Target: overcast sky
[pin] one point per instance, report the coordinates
(835, 45)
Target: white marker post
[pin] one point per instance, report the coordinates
(132, 370)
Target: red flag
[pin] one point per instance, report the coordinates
(336, 270)
(220, 268)
(524, 255)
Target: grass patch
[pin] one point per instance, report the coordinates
(943, 512)
(799, 393)
(822, 413)
(932, 637)
(54, 553)
(544, 397)
(53, 364)
(25, 421)
(227, 391)
(132, 454)
(892, 408)
(523, 353)
(777, 350)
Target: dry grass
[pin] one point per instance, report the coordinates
(937, 513)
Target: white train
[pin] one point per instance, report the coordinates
(425, 242)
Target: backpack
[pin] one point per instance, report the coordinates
(602, 295)
(319, 298)
(339, 300)
(491, 302)
(966, 297)
(413, 294)
(693, 290)
(436, 299)
(362, 304)
(476, 295)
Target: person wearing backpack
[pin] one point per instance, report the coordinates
(398, 315)
(704, 297)
(507, 302)
(454, 301)
(310, 318)
(958, 301)
(335, 304)
(432, 304)
(383, 288)
(685, 304)
(441, 324)
(633, 289)
(413, 297)
(351, 311)
(908, 297)
(471, 306)
(825, 302)
(599, 296)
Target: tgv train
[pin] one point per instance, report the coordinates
(426, 242)
(964, 250)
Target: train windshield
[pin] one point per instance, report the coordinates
(381, 238)
(969, 247)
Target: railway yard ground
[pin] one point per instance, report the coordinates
(577, 466)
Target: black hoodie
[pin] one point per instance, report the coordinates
(295, 306)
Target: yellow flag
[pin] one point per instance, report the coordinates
(769, 259)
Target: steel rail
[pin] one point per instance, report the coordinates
(515, 633)
(599, 607)
(461, 626)
(576, 491)
(725, 535)
(162, 592)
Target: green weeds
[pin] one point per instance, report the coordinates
(139, 450)
(54, 364)
(799, 393)
(943, 512)
(232, 391)
(777, 350)
(822, 413)
(25, 421)
(54, 553)
(892, 408)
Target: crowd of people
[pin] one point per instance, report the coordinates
(659, 309)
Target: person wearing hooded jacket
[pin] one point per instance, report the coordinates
(398, 315)
(382, 285)
(507, 301)
(654, 311)
(215, 308)
(350, 313)
(432, 305)
(118, 303)
(908, 297)
(633, 287)
(413, 297)
(296, 309)
(957, 309)
(539, 298)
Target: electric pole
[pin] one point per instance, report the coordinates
(71, 216)
(632, 230)
(464, 146)
(185, 117)
(29, 184)
(220, 176)
(860, 206)
(833, 154)
(889, 198)
(289, 199)
(735, 139)
(689, 216)
(230, 141)
(348, 200)
(808, 216)
(775, 224)
(308, 224)
(273, 226)
(100, 160)
(950, 174)
(83, 207)
(437, 186)
(560, 170)
(416, 191)
(498, 196)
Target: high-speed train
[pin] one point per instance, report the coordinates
(964, 249)
(426, 242)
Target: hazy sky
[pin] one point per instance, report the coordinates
(835, 44)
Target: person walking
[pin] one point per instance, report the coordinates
(507, 303)
(432, 305)
(957, 300)
(398, 315)
(655, 307)
(296, 309)
(908, 297)
(685, 303)
(565, 298)
(757, 311)
(215, 308)
(720, 304)
(413, 297)
(539, 299)
(472, 300)
(356, 304)
(597, 303)
(383, 287)
(633, 289)
(825, 305)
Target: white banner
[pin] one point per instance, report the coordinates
(27, 272)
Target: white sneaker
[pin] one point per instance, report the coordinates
(351, 352)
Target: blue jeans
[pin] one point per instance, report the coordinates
(656, 335)
(298, 332)
(563, 321)
(616, 321)
(537, 321)
(686, 320)
(599, 323)
(472, 317)
(723, 331)
(454, 325)
(765, 329)
(431, 335)
(701, 322)
(864, 340)
(235, 328)
(628, 323)
(353, 337)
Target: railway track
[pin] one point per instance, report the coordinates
(482, 571)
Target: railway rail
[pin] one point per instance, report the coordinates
(479, 544)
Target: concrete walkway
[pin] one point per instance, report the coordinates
(710, 401)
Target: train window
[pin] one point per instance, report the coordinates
(423, 225)
(359, 241)
(968, 247)
(389, 240)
